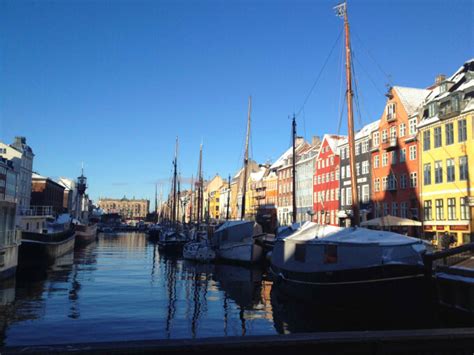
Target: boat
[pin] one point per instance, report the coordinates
(199, 248)
(85, 234)
(154, 232)
(42, 248)
(347, 264)
(86, 230)
(172, 240)
(238, 240)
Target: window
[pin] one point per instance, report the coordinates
(384, 136)
(390, 111)
(413, 179)
(343, 153)
(349, 195)
(437, 137)
(365, 167)
(426, 140)
(412, 152)
(385, 209)
(357, 169)
(439, 210)
(384, 159)
(438, 172)
(450, 170)
(402, 129)
(332, 176)
(431, 109)
(343, 172)
(403, 181)
(463, 169)
(348, 171)
(394, 209)
(392, 182)
(427, 174)
(319, 179)
(331, 160)
(403, 155)
(412, 126)
(451, 208)
(337, 175)
(343, 197)
(365, 194)
(357, 147)
(449, 133)
(365, 146)
(384, 183)
(375, 139)
(393, 131)
(462, 130)
(394, 157)
(404, 209)
(377, 184)
(464, 208)
(376, 161)
(428, 210)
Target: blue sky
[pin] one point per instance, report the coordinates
(112, 83)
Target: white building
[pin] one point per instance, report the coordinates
(304, 183)
(22, 157)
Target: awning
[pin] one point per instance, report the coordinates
(390, 221)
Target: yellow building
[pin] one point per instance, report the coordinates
(212, 197)
(446, 136)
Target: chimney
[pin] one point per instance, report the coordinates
(440, 78)
(315, 141)
(299, 140)
(19, 141)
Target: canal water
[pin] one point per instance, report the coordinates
(120, 288)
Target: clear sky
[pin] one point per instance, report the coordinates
(112, 83)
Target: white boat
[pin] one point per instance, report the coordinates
(236, 241)
(85, 234)
(198, 251)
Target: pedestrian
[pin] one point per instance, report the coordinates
(445, 241)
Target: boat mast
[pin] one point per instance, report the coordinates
(342, 12)
(246, 159)
(228, 201)
(199, 192)
(294, 168)
(191, 201)
(175, 178)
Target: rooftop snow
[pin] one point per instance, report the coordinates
(411, 98)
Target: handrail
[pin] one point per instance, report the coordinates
(430, 258)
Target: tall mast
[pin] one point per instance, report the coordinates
(175, 178)
(191, 201)
(342, 12)
(199, 192)
(246, 159)
(294, 169)
(156, 199)
(178, 204)
(228, 201)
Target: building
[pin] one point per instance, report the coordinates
(131, 209)
(224, 201)
(46, 192)
(256, 191)
(326, 181)
(446, 135)
(284, 171)
(395, 156)
(212, 197)
(21, 156)
(362, 140)
(237, 186)
(304, 181)
(9, 235)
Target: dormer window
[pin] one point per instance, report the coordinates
(455, 103)
(432, 109)
(443, 88)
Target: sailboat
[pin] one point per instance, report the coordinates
(236, 240)
(199, 248)
(346, 264)
(173, 238)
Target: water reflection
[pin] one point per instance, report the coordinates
(121, 288)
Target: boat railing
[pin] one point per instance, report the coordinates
(34, 211)
(10, 237)
(448, 257)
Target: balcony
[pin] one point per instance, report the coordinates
(375, 148)
(37, 211)
(390, 144)
(391, 117)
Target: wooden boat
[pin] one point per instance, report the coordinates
(85, 234)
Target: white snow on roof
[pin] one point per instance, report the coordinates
(257, 176)
(66, 183)
(281, 160)
(411, 98)
(38, 176)
(333, 142)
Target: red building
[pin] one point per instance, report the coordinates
(395, 155)
(326, 181)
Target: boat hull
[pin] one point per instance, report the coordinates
(154, 234)
(244, 252)
(35, 252)
(86, 235)
(10, 261)
(357, 286)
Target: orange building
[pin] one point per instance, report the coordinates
(395, 155)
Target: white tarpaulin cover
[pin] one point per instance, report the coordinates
(390, 221)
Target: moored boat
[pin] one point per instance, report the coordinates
(85, 234)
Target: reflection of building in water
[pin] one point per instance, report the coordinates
(126, 241)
